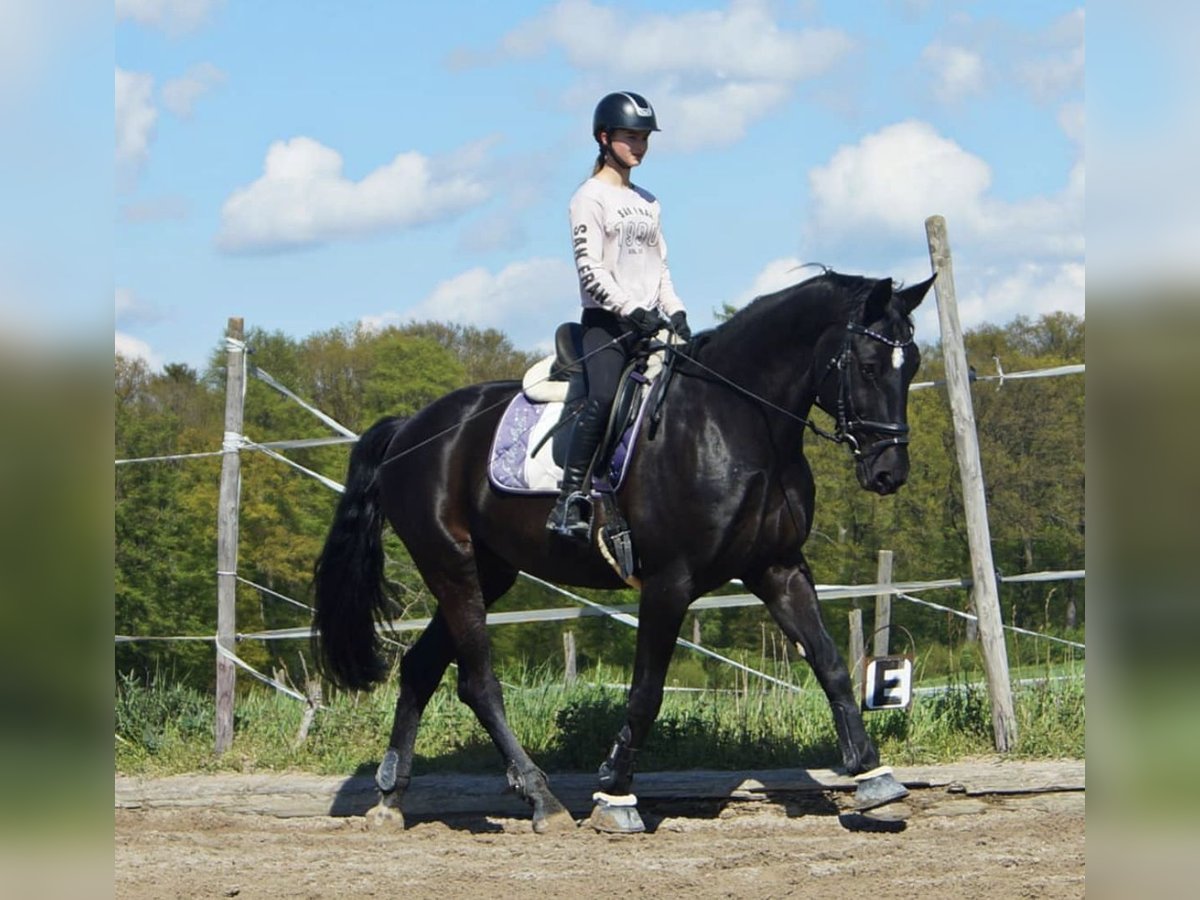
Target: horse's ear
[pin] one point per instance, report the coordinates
(877, 301)
(910, 297)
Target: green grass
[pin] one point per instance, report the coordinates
(164, 728)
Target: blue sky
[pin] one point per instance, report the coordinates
(313, 164)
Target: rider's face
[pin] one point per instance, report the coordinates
(629, 146)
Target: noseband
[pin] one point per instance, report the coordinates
(847, 417)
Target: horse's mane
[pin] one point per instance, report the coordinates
(827, 287)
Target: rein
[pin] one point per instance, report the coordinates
(840, 435)
(840, 362)
(807, 423)
(481, 412)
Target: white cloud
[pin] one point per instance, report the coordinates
(710, 73)
(135, 348)
(179, 95)
(303, 197)
(499, 231)
(742, 41)
(172, 16)
(1072, 120)
(692, 123)
(884, 187)
(525, 300)
(135, 120)
(999, 295)
(34, 34)
(958, 72)
(22, 41)
(775, 276)
(123, 301)
(987, 294)
(897, 177)
(1055, 65)
(131, 309)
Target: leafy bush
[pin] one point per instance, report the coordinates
(149, 715)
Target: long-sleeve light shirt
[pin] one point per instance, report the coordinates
(620, 253)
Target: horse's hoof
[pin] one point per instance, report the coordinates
(557, 822)
(879, 790)
(616, 815)
(384, 816)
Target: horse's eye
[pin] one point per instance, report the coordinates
(867, 369)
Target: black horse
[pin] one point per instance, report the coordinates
(721, 491)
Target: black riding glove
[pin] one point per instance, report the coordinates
(646, 321)
(679, 325)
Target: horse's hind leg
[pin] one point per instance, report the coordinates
(464, 609)
(791, 598)
(421, 671)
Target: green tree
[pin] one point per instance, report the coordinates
(163, 566)
(485, 354)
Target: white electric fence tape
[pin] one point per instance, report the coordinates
(632, 622)
(328, 420)
(283, 688)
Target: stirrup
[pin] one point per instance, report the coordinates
(572, 516)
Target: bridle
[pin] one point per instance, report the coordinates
(847, 417)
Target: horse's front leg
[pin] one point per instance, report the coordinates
(789, 594)
(659, 617)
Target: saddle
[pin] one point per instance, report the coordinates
(559, 379)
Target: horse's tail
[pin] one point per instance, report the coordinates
(348, 576)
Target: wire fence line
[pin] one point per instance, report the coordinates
(1001, 376)
(826, 593)
(623, 613)
(349, 437)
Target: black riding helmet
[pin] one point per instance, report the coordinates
(623, 110)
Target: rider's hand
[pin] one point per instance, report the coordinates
(679, 325)
(646, 321)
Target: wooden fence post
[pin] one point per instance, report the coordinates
(966, 442)
(569, 656)
(857, 650)
(227, 532)
(883, 605)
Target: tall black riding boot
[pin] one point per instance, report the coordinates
(571, 516)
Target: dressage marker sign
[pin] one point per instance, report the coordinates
(887, 682)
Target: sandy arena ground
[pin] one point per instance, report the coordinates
(934, 844)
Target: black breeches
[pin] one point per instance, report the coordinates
(604, 359)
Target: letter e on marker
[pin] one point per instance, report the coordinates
(888, 683)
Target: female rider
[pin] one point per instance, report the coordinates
(624, 284)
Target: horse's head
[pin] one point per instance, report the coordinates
(865, 386)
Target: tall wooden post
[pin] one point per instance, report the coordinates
(569, 670)
(966, 442)
(858, 653)
(883, 605)
(227, 531)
